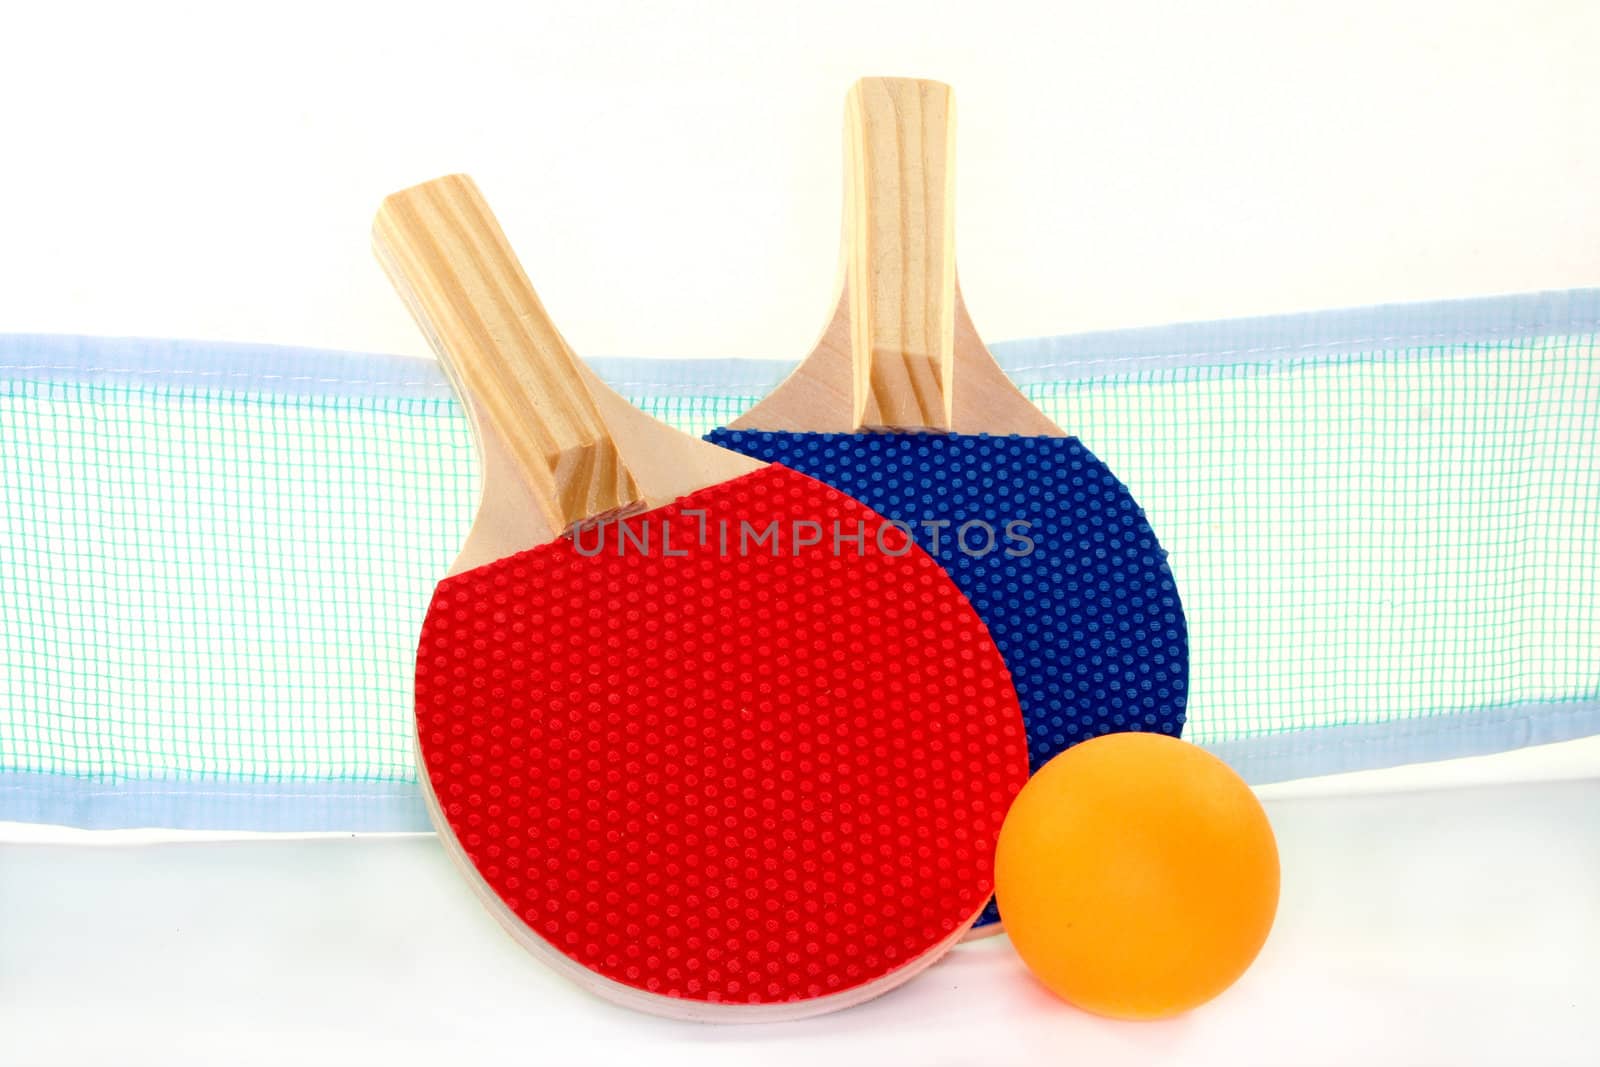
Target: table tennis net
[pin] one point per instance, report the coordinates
(214, 559)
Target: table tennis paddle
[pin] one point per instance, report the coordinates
(1050, 548)
(711, 738)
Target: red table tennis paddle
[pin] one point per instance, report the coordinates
(711, 738)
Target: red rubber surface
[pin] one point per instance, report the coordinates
(731, 778)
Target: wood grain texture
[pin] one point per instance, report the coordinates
(559, 447)
(900, 205)
(901, 351)
(451, 262)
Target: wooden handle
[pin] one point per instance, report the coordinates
(451, 263)
(900, 261)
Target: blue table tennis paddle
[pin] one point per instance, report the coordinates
(901, 406)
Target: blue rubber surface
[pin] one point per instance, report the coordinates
(1051, 549)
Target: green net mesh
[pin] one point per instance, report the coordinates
(215, 584)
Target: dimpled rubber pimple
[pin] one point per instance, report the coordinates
(1088, 619)
(750, 775)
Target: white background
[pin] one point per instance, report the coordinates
(671, 179)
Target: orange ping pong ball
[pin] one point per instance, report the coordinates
(1137, 875)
